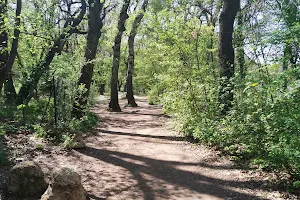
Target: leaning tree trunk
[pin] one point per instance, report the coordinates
(226, 53)
(135, 25)
(3, 42)
(26, 90)
(95, 25)
(30, 84)
(114, 101)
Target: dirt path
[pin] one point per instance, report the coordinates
(132, 155)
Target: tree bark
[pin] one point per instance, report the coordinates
(120, 83)
(30, 84)
(26, 90)
(114, 100)
(9, 88)
(3, 42)
(130, 62)
(95, 25)
(102, 89)
(226, 53)
(240, 47)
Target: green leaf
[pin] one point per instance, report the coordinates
(21, 106)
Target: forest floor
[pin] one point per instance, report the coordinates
(132, 155)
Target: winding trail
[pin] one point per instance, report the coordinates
(131, 155)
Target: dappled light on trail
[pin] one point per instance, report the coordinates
(134, 156)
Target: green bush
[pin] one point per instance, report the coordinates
(68, 141)
(84, 124)
(153, 98)
(39, 130)
(262, 127)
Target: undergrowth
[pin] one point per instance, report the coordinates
(262, 127)
(38, 118)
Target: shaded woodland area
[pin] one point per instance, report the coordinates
(226, 72)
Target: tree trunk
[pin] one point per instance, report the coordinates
(95, 25)
(287, 53)
(226, 53)
(120, 83)
(240, 47)
(26, 90)
(9, 90)
(102, 89)
(129, 84)
(114, 100)
(3, 42)
(290, 17)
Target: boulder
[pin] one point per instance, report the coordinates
(65, 184)
(26, 179)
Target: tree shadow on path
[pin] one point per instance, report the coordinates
(171, 138)
(138, 114)
(167, 171)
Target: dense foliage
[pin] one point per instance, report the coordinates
(263, 124)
